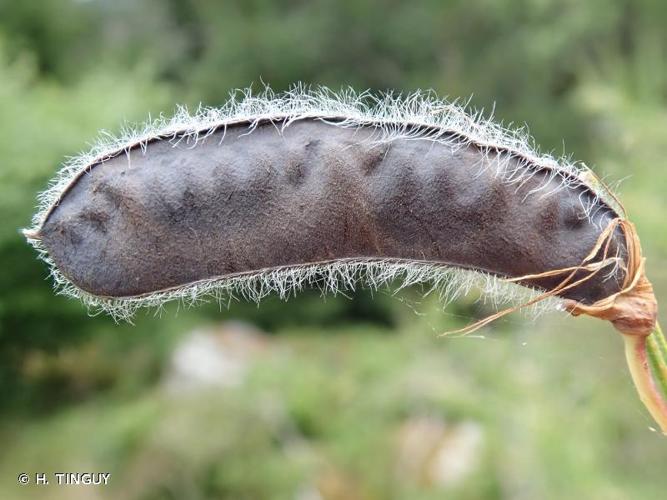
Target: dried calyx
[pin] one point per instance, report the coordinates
(633, 310)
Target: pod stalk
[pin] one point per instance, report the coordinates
(647, 361)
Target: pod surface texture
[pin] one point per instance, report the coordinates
(236, 201)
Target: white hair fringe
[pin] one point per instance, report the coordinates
(420, 115)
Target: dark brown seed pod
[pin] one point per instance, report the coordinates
(271, 193)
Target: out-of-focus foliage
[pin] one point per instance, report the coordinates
(559, 417)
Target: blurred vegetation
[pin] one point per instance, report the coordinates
(556, 409)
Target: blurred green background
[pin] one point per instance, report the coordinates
(343, 398)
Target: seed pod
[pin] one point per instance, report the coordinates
(271, 193)
(275, 191)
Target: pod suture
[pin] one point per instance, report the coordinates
(272, 193)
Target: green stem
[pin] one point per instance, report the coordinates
(647, 360)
